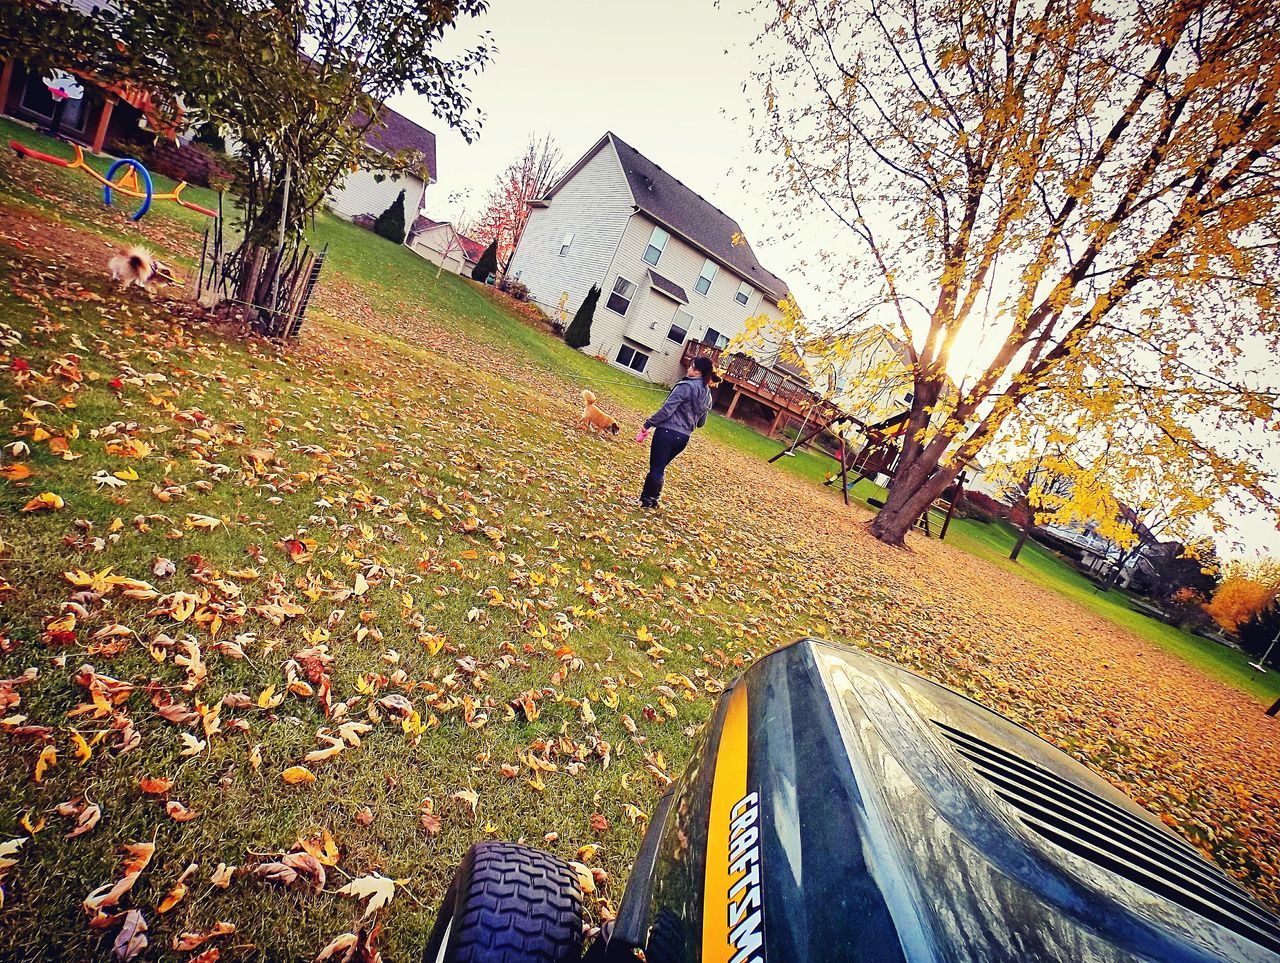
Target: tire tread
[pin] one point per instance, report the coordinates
(516, 905)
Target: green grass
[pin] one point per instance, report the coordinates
(408, 437)
(1039, 565)
(396, 278)
(402, 279)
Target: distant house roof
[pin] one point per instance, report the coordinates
(685, 212)
(393, 133)
(424, 223)
(667, 287)
(471, 250)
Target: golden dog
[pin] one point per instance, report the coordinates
(593, 417)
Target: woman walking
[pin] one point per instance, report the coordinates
(684, 410)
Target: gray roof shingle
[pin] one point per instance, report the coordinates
(394, 132)
(667, 287)
(667, 200)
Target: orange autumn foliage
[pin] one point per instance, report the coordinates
(1239, 599)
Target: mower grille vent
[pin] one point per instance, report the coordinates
(1105, 834)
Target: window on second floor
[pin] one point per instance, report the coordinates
(620, 297)
(566, 244)
(657, 244)
(708, 275)
(744, 293)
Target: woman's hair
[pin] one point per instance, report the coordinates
(702, 364)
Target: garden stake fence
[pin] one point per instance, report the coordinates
(277, 285)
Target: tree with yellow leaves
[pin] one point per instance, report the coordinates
(1046, 198)
(1238, 599)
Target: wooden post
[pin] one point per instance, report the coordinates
(777, 419)
(951, 507)
(733, 404)
(104, 120)
(1275, 709)
(6, 80)
(844, 473)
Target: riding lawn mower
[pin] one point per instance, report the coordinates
(840, 807)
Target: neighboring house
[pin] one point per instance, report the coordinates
(372, 192)
(440, 243)
(105, 114)
(873, 382)
(663, 256)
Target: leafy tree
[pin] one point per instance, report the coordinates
(1195, 570)
(506, 208)
(1089, 196)
(298, 86)
(488, 263)
(1239, 599)
(390, 223)
(578, 334)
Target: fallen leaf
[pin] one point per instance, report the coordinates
(178, 812)
(297, 774)
(155, 787)
(85, 812)
(132, 938)
(108, 894)
(177, 891)
(376, 888)
(44, 502)
(341, 944)
(48, 758)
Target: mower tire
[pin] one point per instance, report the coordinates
(508, 904)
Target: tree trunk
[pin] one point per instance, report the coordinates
(914, 489)
(1114, 577)
(1023, 510)
(1023, 533)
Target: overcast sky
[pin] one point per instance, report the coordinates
(659, 75)
(668, 78)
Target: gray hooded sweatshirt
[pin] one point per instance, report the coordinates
(685, 409)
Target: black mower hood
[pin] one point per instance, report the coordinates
(843, 808)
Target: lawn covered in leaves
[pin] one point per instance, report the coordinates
(285, 631)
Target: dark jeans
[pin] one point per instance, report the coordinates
(665, 446)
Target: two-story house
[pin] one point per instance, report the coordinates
(665, 259)
(372, 192)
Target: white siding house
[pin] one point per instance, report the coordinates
(372, 192)
(440, 243)
(664, 258)
(363, 193)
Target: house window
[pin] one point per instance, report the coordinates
(680, 326)
(632, 358)
(566, 243)
(708, 275)
(620, 299)
(744, 293)
(657, 244)
(715, 338)
(37, 99)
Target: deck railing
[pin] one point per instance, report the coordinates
(765, 381)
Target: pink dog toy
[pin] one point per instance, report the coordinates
(643, 435)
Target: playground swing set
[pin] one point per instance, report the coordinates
(135, 182)
(877, 457)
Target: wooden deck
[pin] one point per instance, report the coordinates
(782, 392)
